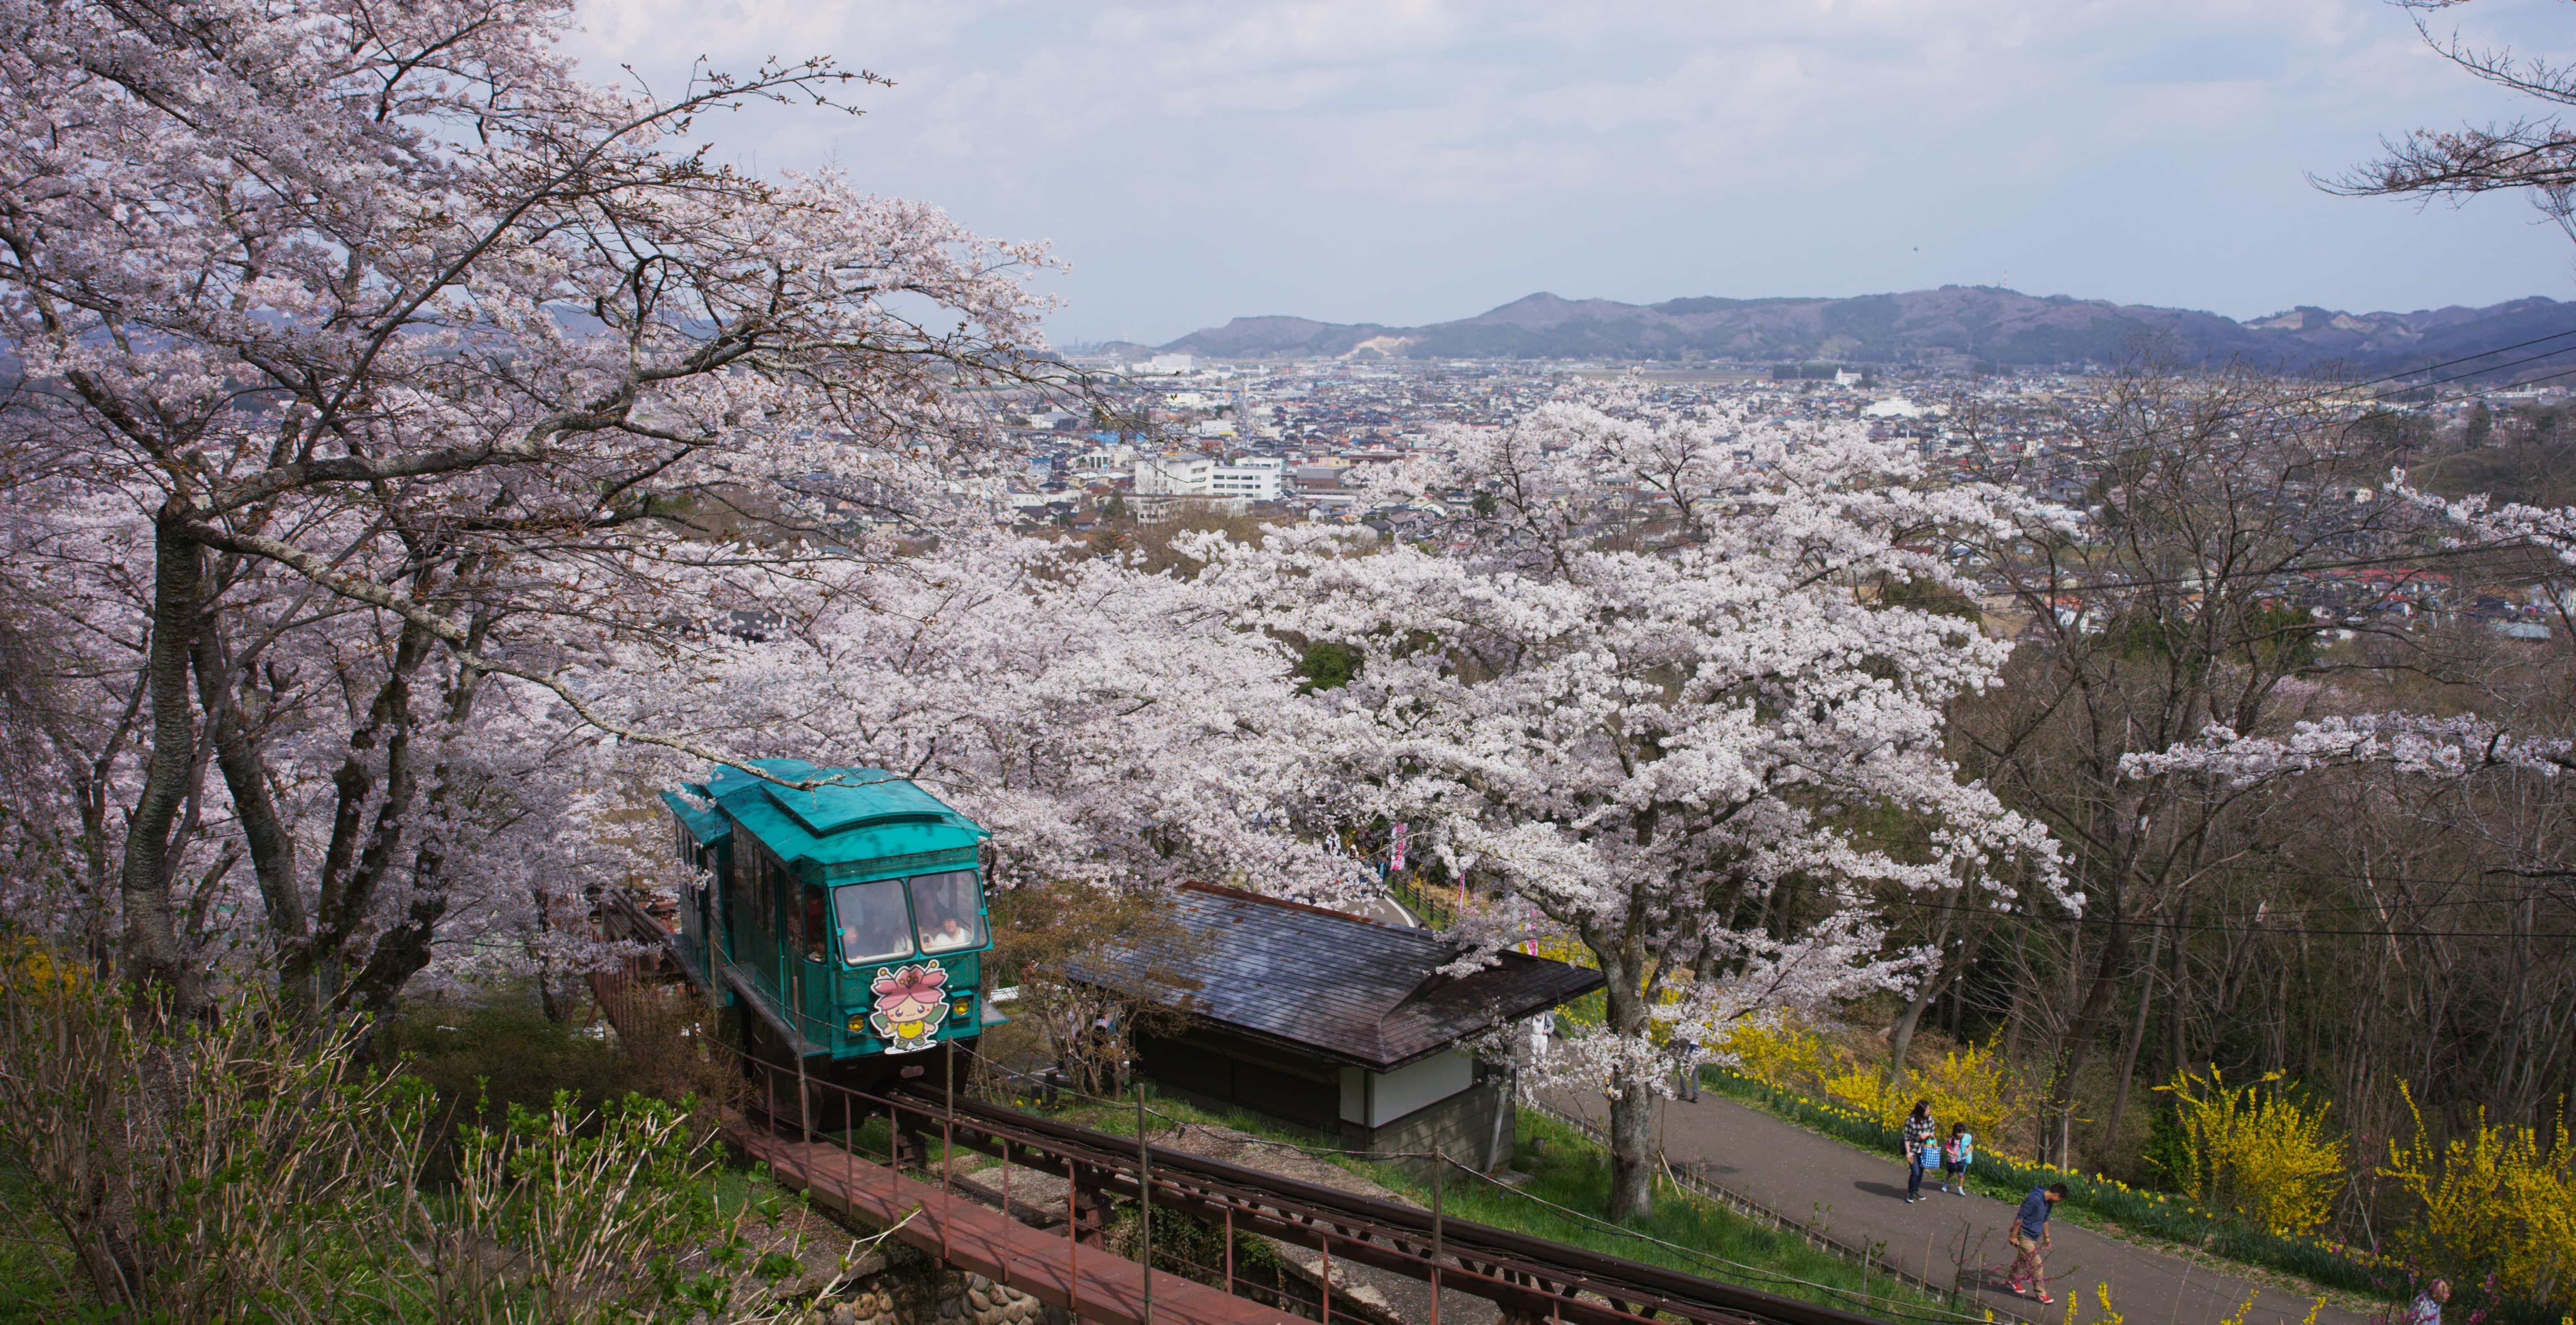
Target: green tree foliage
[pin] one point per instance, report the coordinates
(1327, 665)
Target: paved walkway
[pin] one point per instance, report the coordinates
(1856, 1196)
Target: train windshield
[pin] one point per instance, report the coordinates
(873, 925)
(946, 905)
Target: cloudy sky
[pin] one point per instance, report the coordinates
(1409, 161)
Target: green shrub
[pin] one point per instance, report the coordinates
(482, 1058)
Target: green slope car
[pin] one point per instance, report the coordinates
(846, 921)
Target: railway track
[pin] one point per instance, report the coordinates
(1529, 1278)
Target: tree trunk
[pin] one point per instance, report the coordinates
(359, 854)
(2137, 1036)
(1498, 1145)
(1632, 1146)
(1900, 1037)
(1632, 1097)
(152, 952)
(2070, 1050)
(2020, 987)
(245, 770)
(2177, 1022)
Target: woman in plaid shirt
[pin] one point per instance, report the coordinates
(1922, 1137)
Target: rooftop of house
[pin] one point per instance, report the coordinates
(1328, 983)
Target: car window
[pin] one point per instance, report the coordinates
(949, 910)
(872, 922)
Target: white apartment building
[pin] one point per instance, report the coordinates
(1102, 460)
(1174, 475)
(1164, 481)
(1253, 478)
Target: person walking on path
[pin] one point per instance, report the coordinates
(1922, 1149)
(2428, 1304)
(1686, 1072)
(1955, 1155)
(2029, 1238)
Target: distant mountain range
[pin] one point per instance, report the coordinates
(1955, 326)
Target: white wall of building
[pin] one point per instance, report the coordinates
(1379, 1098)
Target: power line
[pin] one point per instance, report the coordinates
(2501, 349)
(2307, 568)
(2141, 922)
(2492, 368)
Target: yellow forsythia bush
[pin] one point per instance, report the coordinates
(1864, 1091)
(2500, 1200)
(2263, 1154)
(1972, 1084)
(29, 968)
(1779, 1054)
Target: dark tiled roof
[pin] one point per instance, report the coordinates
(1348, 989)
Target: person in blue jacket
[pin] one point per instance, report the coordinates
(2029, 1238)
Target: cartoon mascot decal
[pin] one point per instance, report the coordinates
(909, 1002)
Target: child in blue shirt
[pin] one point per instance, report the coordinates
(1955, 1154)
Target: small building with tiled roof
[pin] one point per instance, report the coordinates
(1335, 1024)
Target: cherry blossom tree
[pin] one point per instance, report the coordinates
(2534, 154)
(378, 379)
(1644, 683)
(2409, 743)
(1111, 726)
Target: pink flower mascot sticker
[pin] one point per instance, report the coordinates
(909, 999)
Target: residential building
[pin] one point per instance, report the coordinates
(1254, 478)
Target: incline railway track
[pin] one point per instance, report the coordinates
(1524, 1275)
(1528, 1277)
(789, 1115)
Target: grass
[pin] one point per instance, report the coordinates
(480, 1056)
(31, 1291)
(1569, 1183)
